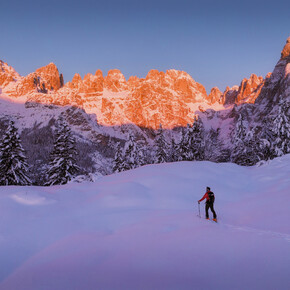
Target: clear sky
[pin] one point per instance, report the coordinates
(218, 42)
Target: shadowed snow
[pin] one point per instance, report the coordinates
(140, 230)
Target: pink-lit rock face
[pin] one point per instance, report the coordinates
(247, 92)
(215, 95)
(170, 98)
(7, 74)
(49, 75)
(286, 50)
(89, 85)
(115, 81)
(43, 80)
(249, 89)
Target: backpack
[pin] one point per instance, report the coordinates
(211, 197)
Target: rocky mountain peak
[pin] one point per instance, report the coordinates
(286, 50)
(170, 98)
(49, 75)
(99, 73)
(7, 74)
(215, 95)
(154, 75)
(76, 79)
(249, 89)
(115, 81)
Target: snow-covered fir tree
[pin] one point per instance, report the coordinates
(247, 146)
(118, 159)
(266, 139)
(183, 151)
(62, 167)
(252, 149)
(239, 138)
(240, 129)
(173, 151)
(13, 164)
(130, 157)
(191, 146)
(214, 147)
(196, 140)
(161, 147)
(142, 154)
(281, 129)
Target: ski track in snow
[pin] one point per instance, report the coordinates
(259, 232)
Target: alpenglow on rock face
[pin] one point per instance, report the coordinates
(286, 50)
(170, 98)
(162, 97)
(7, 74)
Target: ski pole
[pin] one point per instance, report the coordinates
(199, 209)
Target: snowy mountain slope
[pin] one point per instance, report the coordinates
(140, 230)
(103, 111)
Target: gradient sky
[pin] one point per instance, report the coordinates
(217, 42)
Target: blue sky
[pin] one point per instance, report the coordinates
(217, 42)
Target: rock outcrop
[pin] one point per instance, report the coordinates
(286, 50)
(170, 98)
(215, 95)
(249, 89)
(115, 81)
(43, 80)
(7, 74)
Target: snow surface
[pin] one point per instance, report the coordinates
(140, 230)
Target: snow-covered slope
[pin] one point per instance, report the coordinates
(140, 230)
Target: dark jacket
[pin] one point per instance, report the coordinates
(209, 196)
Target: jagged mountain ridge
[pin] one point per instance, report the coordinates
(103, 111)
(169, 98)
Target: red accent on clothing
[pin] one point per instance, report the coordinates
(205, 197)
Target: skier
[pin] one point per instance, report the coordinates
(209, 196)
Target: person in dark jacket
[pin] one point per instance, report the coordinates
(209, 196)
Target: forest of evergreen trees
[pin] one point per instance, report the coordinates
(248, 146)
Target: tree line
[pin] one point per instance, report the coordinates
(248, 146)
(14, 169)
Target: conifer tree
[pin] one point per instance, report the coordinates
(251, 153)
(281, 130)
(130, 154)
(13, 164)
(183, 147)
(196, 140)
(247, 146)
(173, 151)
(266, 138)
(212, 145)
(160, 147)
(239, 138)
(118, 160)
(62, 167)
(141, 158)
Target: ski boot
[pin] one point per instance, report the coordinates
(215, 220)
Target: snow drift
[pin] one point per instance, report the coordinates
(140, 230)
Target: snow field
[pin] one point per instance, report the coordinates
(140, 230)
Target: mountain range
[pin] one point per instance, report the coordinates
(102, 110)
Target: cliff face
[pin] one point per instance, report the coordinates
(7, 74)
(162, 97)
(170, 98)
(277, 84)
(43, 80)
